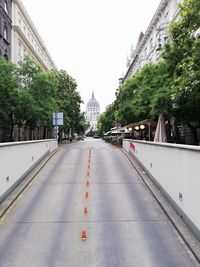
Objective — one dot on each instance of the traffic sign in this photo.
(57, 118)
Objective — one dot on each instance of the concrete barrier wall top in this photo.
(176, 168)
(17, 158)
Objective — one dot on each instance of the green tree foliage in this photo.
(145, 95)
(68, 100)
(9, 87)
(29, 96)
(186, 47)
(82, 124)
(37, 95)
(106, 120)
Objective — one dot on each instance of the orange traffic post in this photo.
(87, 183)
(85, 211)
(86, 195)
(83, 235)
(88, 173)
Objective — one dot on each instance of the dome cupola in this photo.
(92, 102)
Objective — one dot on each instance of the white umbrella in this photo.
(160, 134)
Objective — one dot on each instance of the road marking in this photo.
(86, 195)
(85, 211)
(83, 235)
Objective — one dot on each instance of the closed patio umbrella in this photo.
(160, 134)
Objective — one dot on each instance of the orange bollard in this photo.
(87, 183)
(83, 235)
(85, 211)
(86, 195)
(88, 173)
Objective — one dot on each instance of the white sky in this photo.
(91, 39)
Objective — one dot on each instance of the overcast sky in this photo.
(91, 39)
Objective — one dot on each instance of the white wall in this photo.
(177, 170)
(17, 158)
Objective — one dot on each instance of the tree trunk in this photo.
(168, 130)
(19, 132)
(12, 127)
(177, 138)
(44, 132)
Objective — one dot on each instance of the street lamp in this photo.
(130, 129)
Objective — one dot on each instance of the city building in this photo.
(92, 113)
(5, 28)
(150, 43)
(26, 40)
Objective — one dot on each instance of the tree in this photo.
(146, 95)
(9, 86)
(82, 124)
(184, 47)
(68, 101)
(106, 120)
(37, 97)
(43, 89)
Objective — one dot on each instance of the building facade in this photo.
(92, 113)
(26, 40)
(151, 42)
(5, 28)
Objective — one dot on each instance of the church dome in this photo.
(92, 102)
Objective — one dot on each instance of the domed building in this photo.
(92, 112)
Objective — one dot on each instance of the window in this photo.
(25, 52)
(151, 43)
(20, 49)
(24, 30)
(166, 14)
(6, 6)
(145, 52)
(165, 38)
(5, 33)
(6, 57)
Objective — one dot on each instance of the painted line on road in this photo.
(85, 209)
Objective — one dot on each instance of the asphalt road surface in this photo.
(124, 224)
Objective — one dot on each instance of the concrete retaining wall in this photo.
(176, 170)
(19, 158)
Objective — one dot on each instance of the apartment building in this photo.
(151, 42)
(26, 40)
